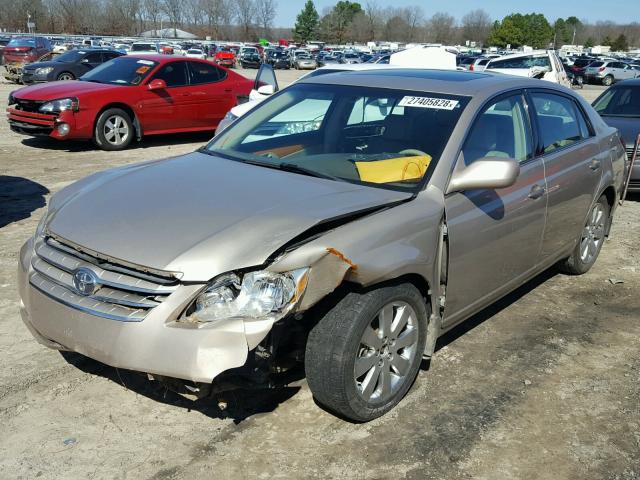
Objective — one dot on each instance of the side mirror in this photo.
(266, 90)
(157, 84)
(485, 173)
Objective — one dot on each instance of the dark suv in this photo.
(68, 66)
(21, 51)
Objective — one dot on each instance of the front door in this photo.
(495, 234)
(170, 108)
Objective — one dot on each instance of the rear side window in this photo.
(559, 120)
(501, 131)
(205, 73)
(596, 64)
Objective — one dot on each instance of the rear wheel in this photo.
(66, 76)
(591, 240)
(607, 81)
(114, 130)
(364, 354)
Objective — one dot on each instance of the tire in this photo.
(607, 81)
(66, 76)
(110, 119)
(592, 238)
(350, 336)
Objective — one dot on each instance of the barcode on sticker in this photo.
(427, 102)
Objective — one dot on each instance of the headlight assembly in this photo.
(257, 295)
(44, 70)
(57, 106)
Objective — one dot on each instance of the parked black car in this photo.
(251, 60)
(68, 66)
(279, 59)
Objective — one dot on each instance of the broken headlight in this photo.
(257, 295)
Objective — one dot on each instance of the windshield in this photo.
(71, 56)
(195, 51)
(143, 47)
(378, 137)
(22, 42)
(619, 101)
(121, 71)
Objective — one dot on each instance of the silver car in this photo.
(609, 72)
(345, 223)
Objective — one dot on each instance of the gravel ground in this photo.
(545, 384)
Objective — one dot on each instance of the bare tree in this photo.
(266, 12)
(152, 13)
(414, 16)
(476, 26)
(245, 12)
(441, 28)
(173, 10)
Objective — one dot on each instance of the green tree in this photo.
(335, 24)
(620, 44)
(538, 32)
(517, 30)
(562, 32)
(606, 41)
(589, 43)
(306, 23)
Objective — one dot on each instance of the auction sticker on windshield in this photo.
(427, 102)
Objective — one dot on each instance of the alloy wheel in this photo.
(386, 352)
(65, 76)
(593, 234)
(116, 130)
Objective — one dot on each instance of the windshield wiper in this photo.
(293, 168)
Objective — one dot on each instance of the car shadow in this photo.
(19, 197)
(492, 310)
(239, 404)
(72, 146)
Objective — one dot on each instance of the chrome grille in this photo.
(122, 294)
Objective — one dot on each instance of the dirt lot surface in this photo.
(545, 385)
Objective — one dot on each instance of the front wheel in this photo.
(364, 354)
(591, 240)
(66, 76)
(114, 130)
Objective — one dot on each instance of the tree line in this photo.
(345, 22)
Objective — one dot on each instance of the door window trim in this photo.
(161, 66)
(222, 79)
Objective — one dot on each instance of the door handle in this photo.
(536, 192)
(595, 165)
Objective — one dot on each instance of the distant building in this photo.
(169, 33)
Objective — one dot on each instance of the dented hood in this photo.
(201, 215)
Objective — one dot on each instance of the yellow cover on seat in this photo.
(393, 169)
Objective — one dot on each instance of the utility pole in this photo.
(573, 40)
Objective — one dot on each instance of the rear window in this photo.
(596, 64)
(522, 62)
(619, 101)
(142, 47)
(22, 42)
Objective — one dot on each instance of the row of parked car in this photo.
(340, 227)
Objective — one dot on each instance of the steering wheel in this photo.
(414, 152)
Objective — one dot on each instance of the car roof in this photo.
(453, 82)
(161, 58)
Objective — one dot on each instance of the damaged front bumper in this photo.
(157, 345)
(13, 72)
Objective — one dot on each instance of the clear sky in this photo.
(621, 11)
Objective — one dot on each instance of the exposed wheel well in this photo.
(126, 108)
(610, 195)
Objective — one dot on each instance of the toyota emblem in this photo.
(85, 281)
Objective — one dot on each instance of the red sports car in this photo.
(129, 97)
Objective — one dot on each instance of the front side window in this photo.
(502, 130)
(378, 137)
(557, 118)
(522, 62)
(174, 74)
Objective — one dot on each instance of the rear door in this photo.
(212, 93)
(573, 164)
(495, 235)
(170, 108)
